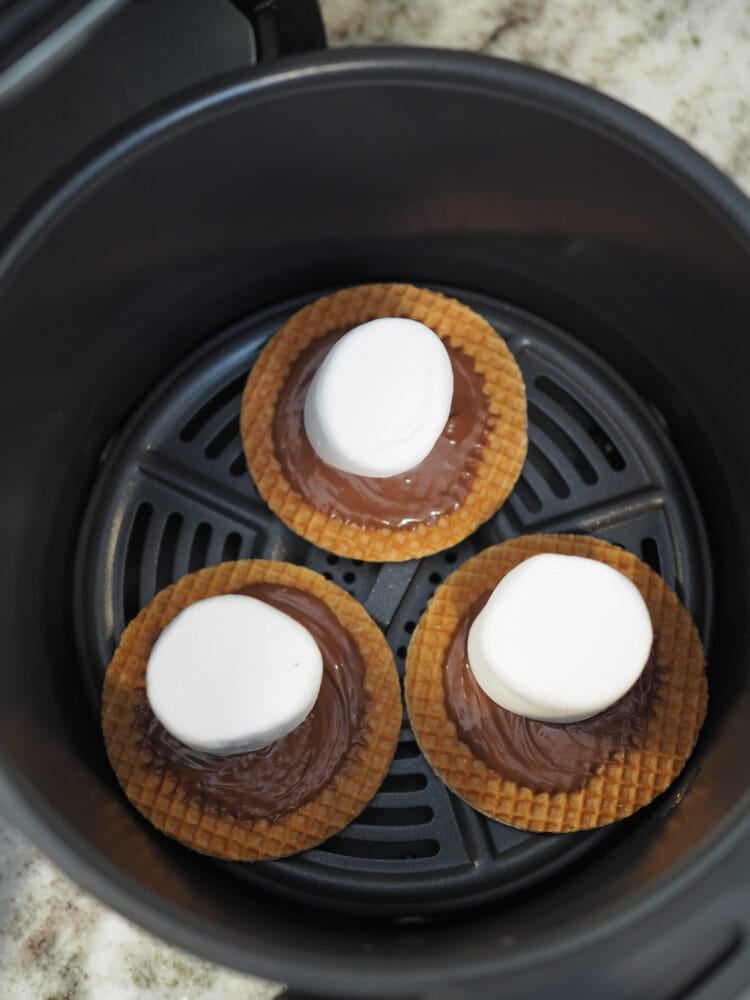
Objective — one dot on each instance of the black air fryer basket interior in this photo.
(603, 251)
(174, 495)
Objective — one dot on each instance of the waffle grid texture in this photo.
(631, 780)
(158, 795)
(463, 329)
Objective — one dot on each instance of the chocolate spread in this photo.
(542, 756)
(278, 779)
(436, 486)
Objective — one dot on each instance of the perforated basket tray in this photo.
(174, 495)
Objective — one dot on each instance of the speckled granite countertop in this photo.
(685, 64)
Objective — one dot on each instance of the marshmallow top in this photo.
(560, 639)
(231, 674)
(380, 399)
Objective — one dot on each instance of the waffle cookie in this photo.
(160, 797)
(628, 782)
(494, 472)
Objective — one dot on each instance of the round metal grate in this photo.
(174, 495)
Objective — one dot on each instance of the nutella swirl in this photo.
(543, 756)
(276, 780)
(436, 486)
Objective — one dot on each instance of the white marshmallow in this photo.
(560, 639)
(231, 673)
(380, 399)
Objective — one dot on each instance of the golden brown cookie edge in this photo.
(157, 795)
(502, 457)
(621, 787)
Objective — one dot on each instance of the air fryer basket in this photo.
(174, 495)
(615, 262)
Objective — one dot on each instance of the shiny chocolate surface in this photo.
(542, 756)
(277, 779)
(436, 486)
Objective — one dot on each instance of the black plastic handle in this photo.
(34, 37)
(284, 27)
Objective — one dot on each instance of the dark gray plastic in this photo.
(34, 37)
(349, 167)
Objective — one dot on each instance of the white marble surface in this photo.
(686, 64)
(57, 943)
